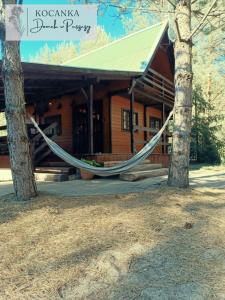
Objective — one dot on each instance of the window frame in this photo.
(154, 119)
(135, 119)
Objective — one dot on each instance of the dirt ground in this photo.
(160, 244)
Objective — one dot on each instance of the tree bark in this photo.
(179, 166)
(18, 143)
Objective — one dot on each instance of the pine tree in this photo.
(18, 143)
(205, 145)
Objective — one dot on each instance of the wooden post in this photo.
(132, 121)
(164, 134)
(145, 123)
(90, 121)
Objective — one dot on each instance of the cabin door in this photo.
(80, 128)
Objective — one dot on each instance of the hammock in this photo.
(101, 171)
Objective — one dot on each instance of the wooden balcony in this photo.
(156, 87)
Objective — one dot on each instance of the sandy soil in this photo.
(163, 244)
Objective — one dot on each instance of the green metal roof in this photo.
(130, 53)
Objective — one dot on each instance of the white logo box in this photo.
(51, 22)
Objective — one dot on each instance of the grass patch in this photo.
(164, 242)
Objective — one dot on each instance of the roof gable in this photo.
(131, 53)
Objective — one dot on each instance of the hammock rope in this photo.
(105, 171)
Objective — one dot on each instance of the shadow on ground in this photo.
(160, 244)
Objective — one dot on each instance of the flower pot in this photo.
(86, 175)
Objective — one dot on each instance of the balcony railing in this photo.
(159, 86)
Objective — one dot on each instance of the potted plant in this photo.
(85, 174)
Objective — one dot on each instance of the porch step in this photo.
(54, 164)
(146, 167)
(59, 171)
(138, 175)
(56, 170)
(6, 175)
(114, 163)
(51, 177)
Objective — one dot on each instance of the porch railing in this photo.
(164, 143)
(39, 148)
(160, 86)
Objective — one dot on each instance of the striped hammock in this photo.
(103, 171)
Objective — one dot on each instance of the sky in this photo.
(111, 24)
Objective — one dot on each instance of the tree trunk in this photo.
(19, 150)
(179, 166)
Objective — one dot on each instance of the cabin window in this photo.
(135, 119)
(155, 123)
(126, 119)
(55, 119)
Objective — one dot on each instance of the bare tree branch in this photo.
(203, 20)
(217, 95)
(213, 14)
(146, 10)
(171, 3)
(155, 4)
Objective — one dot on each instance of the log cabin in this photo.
(103, 105)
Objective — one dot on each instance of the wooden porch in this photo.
(151, 90)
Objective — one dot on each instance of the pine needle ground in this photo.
(162, 244)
